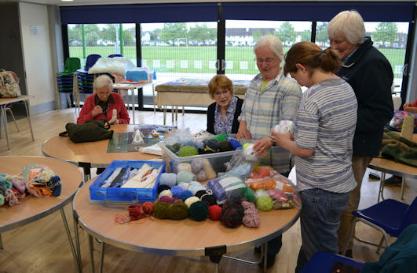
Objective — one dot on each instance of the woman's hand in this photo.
(243, 132)
(262, 145)
(97, 110)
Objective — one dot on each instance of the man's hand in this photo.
(262, 145)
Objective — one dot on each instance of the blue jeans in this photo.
(320, 220)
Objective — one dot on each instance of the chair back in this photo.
(410, 216)
(115, 55)
(72, 64)
(91, 60)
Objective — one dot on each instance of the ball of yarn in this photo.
(165, 193)
(57, 190)
(147, 208)
(184, 185)
(198, 211)
(201, 176)
(251, 220)
(184, 176)
(234, 143)
(195, 186)
(264, 203)
(167, 199)
(260, 193)
(161, 210)
(180, 193)
(215, 212)
(220, 137)
(232, 214)
(169, 179)
(225, 146)
(162, 188)
(178, 210)
(208, 168)
(211, 146)
(191, 200)
(184, 166)
(249, 195)
(197, 165)
(136, 212)
(209, 199)
(249, 152)
(187, 151)
(1, 200)
(200, 193)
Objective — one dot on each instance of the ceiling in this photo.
(103, 2)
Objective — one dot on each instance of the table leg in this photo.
(101, 265)
(91, 251)
(1, 242)
(77, 241)
(28, 117)
(74, 254)
(381, 187)
(402, 187)
(4, 124)
(164, 109)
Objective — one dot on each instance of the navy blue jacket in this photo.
(370, 75)
(211, 112)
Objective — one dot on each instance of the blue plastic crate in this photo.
(124, 195)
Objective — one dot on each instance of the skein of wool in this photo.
(167, 199)
(165, 193)
(180, 193)
(161, 188)
(168, 179)
(215, 212)
(208, 169)
(136, 212)
(147, 208)
(264, 203)
(178, 210)
(161, 210)
(191, 200)
(183, 167)
(251, 218)
(232, 214)
(198, 211)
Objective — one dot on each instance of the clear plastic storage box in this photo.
(217, 160)
(124, 195)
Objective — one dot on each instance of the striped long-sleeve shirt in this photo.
(326, 122)
(263, 110)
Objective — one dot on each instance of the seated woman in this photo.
(222, 115)
(103, 104)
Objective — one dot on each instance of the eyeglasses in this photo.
(266, 60)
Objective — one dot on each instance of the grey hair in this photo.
(348, 23)
(273, 42)
(103, 81)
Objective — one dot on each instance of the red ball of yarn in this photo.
(136, 212)
(147, 208)
(215, 211)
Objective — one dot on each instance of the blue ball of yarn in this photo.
(234, 143)
(169, 179)
(179, 193)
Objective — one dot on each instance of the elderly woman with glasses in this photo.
(222, 115)
(370, 75)
(103, 104)
(270, 98)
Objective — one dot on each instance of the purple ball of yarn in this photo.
(232, 214)
(167, 199)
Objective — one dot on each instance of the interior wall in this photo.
(40, 77)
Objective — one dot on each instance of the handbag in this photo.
(9, 84)
(90, 131)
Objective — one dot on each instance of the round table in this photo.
(31, 208)
(395, 168)
(170, 237)
(90, 154)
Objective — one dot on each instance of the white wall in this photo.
(40, 77)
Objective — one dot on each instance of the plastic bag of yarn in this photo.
(233, 186)
(397, 120)
(282, 200)
(217, 190)
(284, 126)
(180, 136)
(41, 180)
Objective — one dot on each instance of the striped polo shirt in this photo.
(326, 122)
(278, 101)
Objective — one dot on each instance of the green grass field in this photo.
(199, 59)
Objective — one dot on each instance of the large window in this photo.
(102, 39)
(241, 36)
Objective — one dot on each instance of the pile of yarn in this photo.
(35, 180)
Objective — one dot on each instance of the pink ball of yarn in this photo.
(251, 220)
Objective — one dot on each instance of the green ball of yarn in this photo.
(225, 146)
(178, 210)
(1, 200)
(161, 210)
(185, 177)
(249, 195)
(220, 137)
(187, 151)
(264, 203)
(198, 211)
